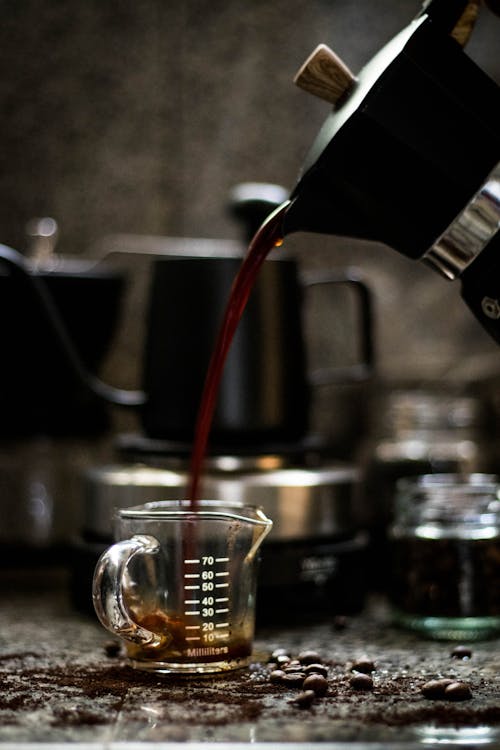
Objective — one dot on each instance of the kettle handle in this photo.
(22, 271)
(365, 367)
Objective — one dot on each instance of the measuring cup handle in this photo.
(365, 367)
(108, 593)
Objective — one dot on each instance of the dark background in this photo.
(136, 119)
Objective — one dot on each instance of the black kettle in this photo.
(62, 313)
(410, 155)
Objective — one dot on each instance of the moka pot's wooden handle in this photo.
(325, 75)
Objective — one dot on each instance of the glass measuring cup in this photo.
(179, 585)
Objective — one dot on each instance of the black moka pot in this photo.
(410, 155)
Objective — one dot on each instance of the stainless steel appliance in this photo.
(312, 563)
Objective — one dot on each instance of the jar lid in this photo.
(410, 410)
(470, 501)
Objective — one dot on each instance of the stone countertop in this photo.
(59, 685)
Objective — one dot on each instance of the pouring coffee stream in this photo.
(266, 239)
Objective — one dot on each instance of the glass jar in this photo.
(420, 432)
(413, 433)
(445, 543)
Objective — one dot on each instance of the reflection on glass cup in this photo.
(179, 585)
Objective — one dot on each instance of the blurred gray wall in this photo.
(122, 117)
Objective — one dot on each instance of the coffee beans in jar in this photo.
(445, 543)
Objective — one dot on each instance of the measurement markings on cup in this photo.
(204, 577)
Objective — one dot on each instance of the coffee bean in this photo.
(293, 668)
(361, 681)
(309, 657)
(434, 689)
(305, 699)
(293, 679)
(458, 691)
(317, 669)
(112, 648)
(282, 660)
(461, 652)
(295, 664)
(276, 676)
(363, 665)
(317, 683)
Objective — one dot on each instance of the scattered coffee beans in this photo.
(435, 688)
(461, 652)
(317, 683)
(446, 689)
(361, 681)
(307, 671)
(305, 699)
